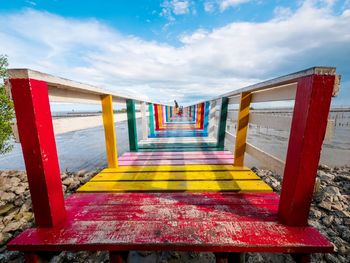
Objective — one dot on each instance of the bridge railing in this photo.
(60, 90)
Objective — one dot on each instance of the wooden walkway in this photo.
(174, 171)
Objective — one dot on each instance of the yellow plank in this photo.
(188, 186)
(110, 135)
(168, 168)
(177, 176)
(242, 128)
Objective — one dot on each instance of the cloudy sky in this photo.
(182, 49)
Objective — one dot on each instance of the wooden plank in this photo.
(279, 93)
(109, 128)
(283, 80)
(175, 162)
(242, 128)
(132, 129)
(172, 235)
(172, 199)
(173, 221)
(174, 153)
(309, 122)
(178, 157)
(189, 186)
(172, 168)
(222, 123)
(65, 90)
(35, 129)
(176, 176)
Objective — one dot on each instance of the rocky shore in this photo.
(330, 213)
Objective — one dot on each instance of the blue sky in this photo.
(183, 49)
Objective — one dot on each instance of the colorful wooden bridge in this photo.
(177, 188)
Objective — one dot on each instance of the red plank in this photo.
(39, 150)
(174, 162)
(308, 128)
(173, 225)
(174, 235)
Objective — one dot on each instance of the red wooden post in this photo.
(308, 128)
(32, 257)
(118, 256)
(36, 134)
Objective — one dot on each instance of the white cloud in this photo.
(208, 63)
(209, 6)
(224, 4)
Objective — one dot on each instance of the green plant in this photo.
(6, 110)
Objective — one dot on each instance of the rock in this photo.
(326, 205)
(68, 181)
(15, 181)
(27, 206)
(5, 208)
(327, 220)
(74, 185)
(8, 197)
(325, 176)
(10, 215)
(20, 190)
(331, 258)
(4, 237)
(13, 226)
(332, 190)
(345, 234)
(315, 213)
(24, 216)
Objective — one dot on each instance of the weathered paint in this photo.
(35, 129)
(308, 128)
(242, 128)
(109, 128)
(132, 129)
(183, 222)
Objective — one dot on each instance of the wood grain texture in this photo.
(104, 222)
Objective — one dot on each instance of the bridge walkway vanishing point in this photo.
(177, 188)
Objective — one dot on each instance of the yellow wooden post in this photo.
(110, 135)
(242, 128)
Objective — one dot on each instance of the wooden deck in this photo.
(186, 171)
(217, 222)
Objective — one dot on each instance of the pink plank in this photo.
(175, 153)
(175, 162)
(175, 157)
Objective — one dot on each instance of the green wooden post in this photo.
(222, 123)
(132, 129)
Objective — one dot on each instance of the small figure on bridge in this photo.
(176, 107)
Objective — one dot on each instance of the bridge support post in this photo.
(36, 134)
(242, 128)
(144, 121)
(110, 134)
(312, 103)
(151, 119)
(222, 123)
(132, 129)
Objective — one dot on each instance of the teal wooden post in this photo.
(222, 123)
(132, 129)
(151, 120)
